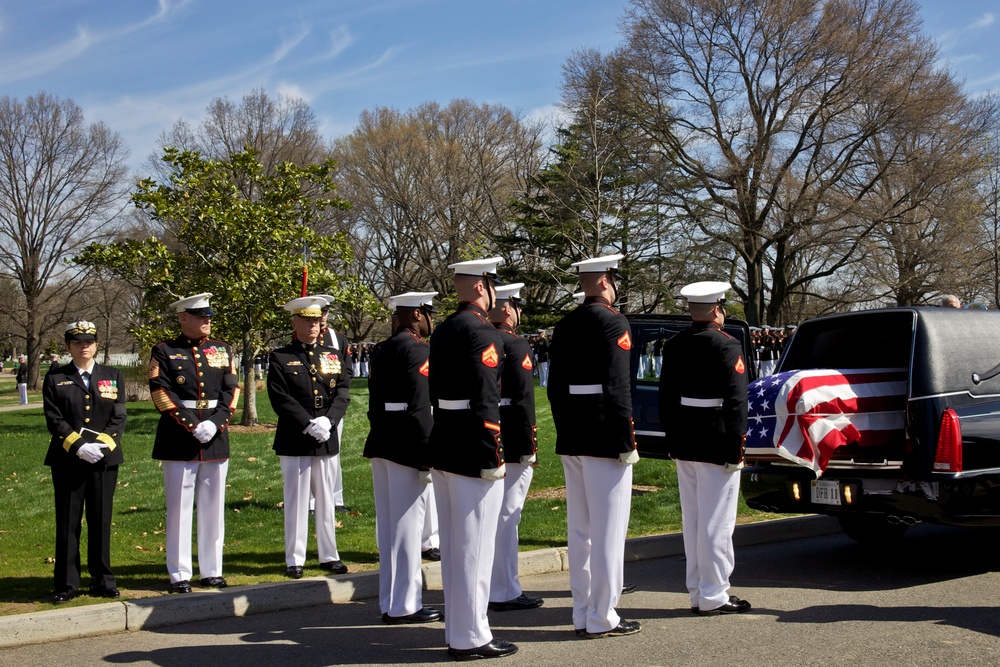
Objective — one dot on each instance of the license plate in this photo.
(825, 492)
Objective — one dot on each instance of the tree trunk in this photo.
(32, 345)
(249, 383)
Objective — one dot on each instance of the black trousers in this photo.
(79, 487)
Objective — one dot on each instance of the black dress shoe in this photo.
(343, 509)
(734, 606)
(104, 592)
(433, 554)
(623, 628)
(294, 571)
(214, 582)
(425, 615)
(180, 586)
(495, 649)
(628, 588)
(64, 596)
(334, 566)
(522, 601)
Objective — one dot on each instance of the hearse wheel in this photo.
(871, 529)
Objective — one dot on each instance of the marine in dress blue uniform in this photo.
(520, 443)
(193, 384)
(309, 389)
(465, 452)
(589, 390)
(399, 411)
(703, 409)
(84, 405)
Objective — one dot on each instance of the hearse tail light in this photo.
(948, 457)
(796, 491)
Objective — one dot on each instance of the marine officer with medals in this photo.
(589, 390)
(703, 408)
(84, 406)
(399, 410)
(193, 383)
(309, 388)
(467, 458)
(520, 444)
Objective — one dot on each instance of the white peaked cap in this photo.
(196, 302)
(307, 306)
(598, 264)
(511, 291)
(328, 297)
(412, 300)
(708, 291)
(477, 267)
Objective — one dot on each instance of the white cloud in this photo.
(293, 90)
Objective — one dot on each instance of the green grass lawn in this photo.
(254, 550)
(8, 391)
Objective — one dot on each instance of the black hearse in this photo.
(944, 466)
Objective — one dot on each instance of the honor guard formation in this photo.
(452, 446)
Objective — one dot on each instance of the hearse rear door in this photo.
(647, 330)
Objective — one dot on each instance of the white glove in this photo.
(90, 452)
(494, 473)
(734, 467)
(316, 430)
(424, 476)
(528, 459)
(205, 431)
(629, 458)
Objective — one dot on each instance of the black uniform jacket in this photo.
(69, 407)
(466, 360)
(517, 397)
(305, 382)
(589, 382)
(197, 372)
(703, 365)
(398, 376)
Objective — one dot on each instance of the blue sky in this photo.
(139, 65)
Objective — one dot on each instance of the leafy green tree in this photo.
(246, 252)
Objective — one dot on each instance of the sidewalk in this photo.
(10, 408)
(237, 601)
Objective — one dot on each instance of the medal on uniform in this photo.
(108, 389)
(329, 364)
(333, 383)
(217, 357)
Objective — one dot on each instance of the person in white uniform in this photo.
(309, 388)
(193, 384)
(399, 411)
(703, 408)
(589, 390)
(467, 458)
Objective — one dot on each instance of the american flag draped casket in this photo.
(804, 416)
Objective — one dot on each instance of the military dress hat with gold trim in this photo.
(81, 330)
(511, 292)
(307, 306)
(707, 291)
(605, 264)
(479, 267)
(413, 300)
(195, 305)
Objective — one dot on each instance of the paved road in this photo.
(821, 601)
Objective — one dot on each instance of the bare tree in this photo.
(769, 107)
(62, 185)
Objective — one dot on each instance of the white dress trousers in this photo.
(598, 503)
(338, 482)
(543, 373)
(186, 484)
(709, 496)
(302, 475)
(504, 584)
(430, 537)
(22, 393)
(468, 510)
(399, 519)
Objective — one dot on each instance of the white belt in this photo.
(586, 389)
(396, 407)
(504, 402)
(453, 405)
(200, 405)
(701, 402)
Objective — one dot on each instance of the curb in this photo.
(238, 601)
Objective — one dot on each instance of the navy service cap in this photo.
(81, 330)
(195, 305)
(707, 291)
